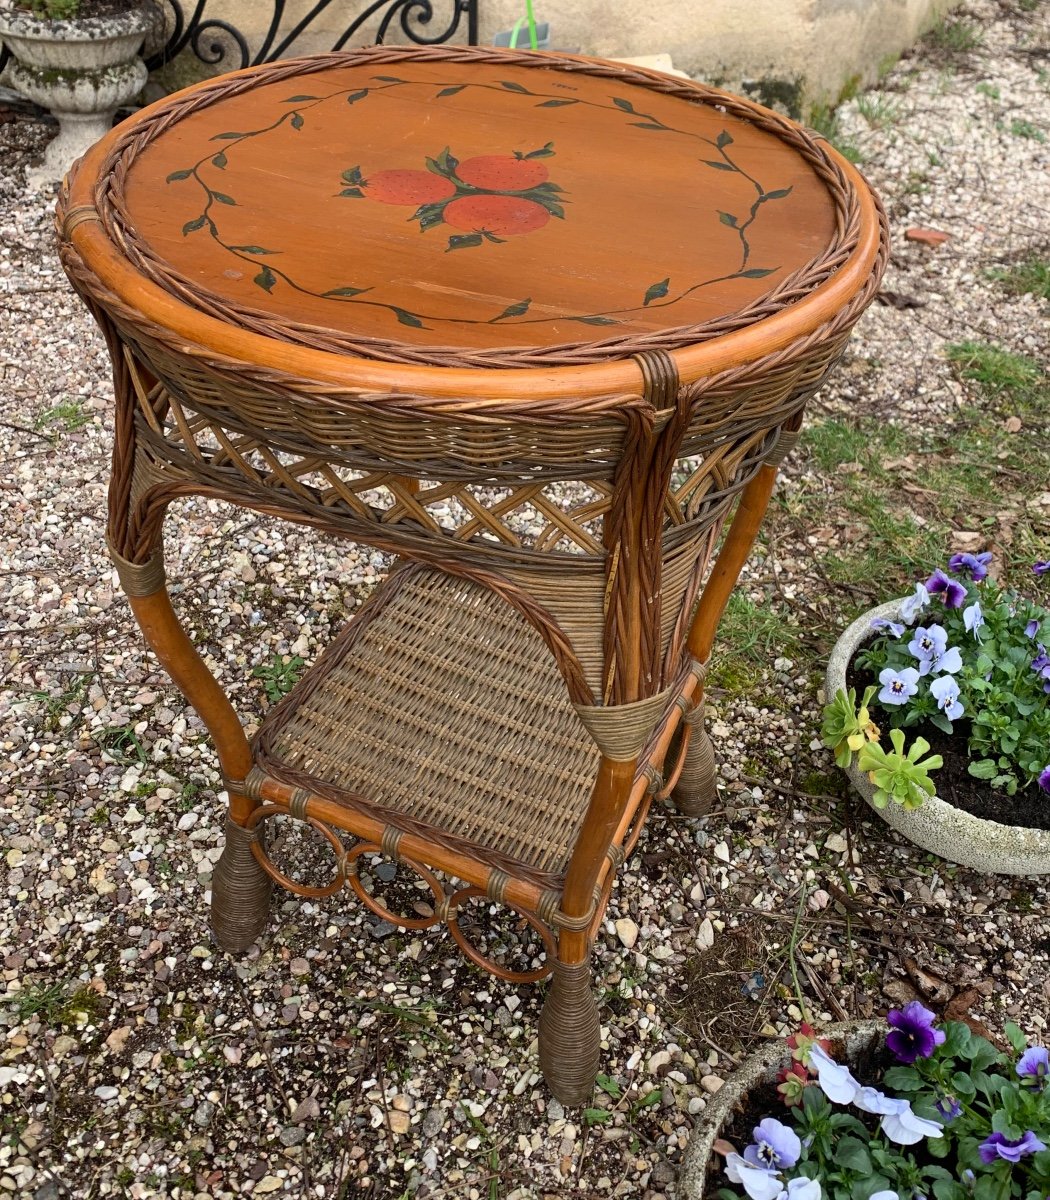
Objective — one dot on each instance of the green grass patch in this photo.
(56, 1004)
(824, 119)
(879, 111)
(750, 636)
(1031, 277)
(988, 89)
(69, 415)
(1023, 128)
(999, 373)
(955, 36)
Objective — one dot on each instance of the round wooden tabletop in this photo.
(469, 208)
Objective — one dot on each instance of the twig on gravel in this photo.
(803, 893)
(785, 790)
(33, 433)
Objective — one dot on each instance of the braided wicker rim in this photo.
(116, 221)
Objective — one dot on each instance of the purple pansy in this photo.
(1011, 1150)
(1041, 568)
(1032, 628)
(776, 1146)
(975, 564)
(1044, 779)
(898, 686)
(949, 1108)
(915, 603)
(945, 690)
(913, 1035)
(1034, 1064)
(882, 625)
(1041, 666)
(973, 619)
(951, 591)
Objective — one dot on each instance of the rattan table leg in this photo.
(240, 887)
(570, 1049)
(697, 788)
(240, 892)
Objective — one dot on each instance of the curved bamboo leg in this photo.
(697, 787)
(240, 888)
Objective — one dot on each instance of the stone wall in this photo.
(790, 54)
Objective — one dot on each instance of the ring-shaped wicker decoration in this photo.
(384, 913)
(482, 960)
(300, 889)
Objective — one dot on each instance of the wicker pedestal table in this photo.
(537, 325)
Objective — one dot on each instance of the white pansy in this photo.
(905, 1128)
(834, 1079)
(757, 1182)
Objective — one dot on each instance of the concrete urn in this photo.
(702, 1170)
(81, 69)
(937, 826)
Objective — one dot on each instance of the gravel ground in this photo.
(341, 1057)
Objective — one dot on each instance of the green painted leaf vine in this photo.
(487, 198)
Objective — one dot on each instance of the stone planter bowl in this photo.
(82, 70)
(937, 826)
(702, 1168)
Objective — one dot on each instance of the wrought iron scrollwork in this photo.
(218, 43)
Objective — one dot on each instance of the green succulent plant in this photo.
(846, 727)
(55, 10)
(899, 775)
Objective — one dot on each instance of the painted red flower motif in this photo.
(489, 197)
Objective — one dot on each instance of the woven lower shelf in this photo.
(439, 710)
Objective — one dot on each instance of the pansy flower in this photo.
(898, 686)
(905, 1127)
(976, 565)
(945, 690)
(1010, 1150)
(758, 1182)
(834, 1080)
(882, 625)
(1032, 628)
(1044, 778)
(776, 1146)
(930, 646)
(915, 603)
(1041, 568)
(948, 1107)
(1041, 666)
(951, 591)
(912, 1034)
(1033, 1066)
(973, 619)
